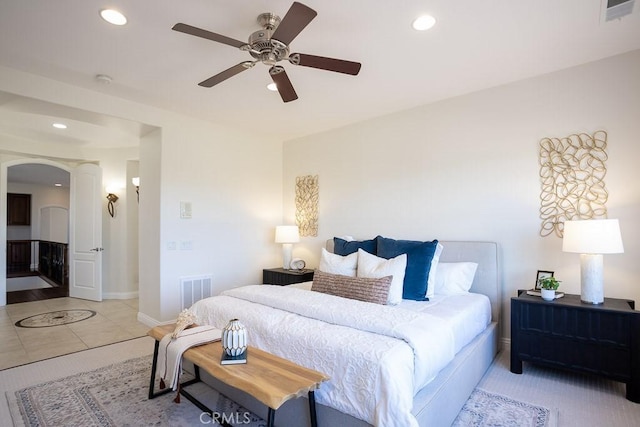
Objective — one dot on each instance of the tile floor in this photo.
(115, 320)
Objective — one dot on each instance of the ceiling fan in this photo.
(270, 46)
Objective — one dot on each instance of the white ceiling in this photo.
(40, 174)
(474, 45)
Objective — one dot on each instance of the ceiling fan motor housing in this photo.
(261, 47)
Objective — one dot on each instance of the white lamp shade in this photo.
(287, 234)
(592, 236)
(136, 181)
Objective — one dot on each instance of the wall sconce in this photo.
(112, 198)
(136, 183)
(287, 235)
(591, 238)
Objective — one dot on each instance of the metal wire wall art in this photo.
(307, 205)
(572, 171)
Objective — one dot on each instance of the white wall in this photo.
(132, 231)
(234, 185)
(467, 169)
(233, 179)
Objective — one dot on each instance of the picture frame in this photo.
(541, 275)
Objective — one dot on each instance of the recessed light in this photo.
(272, 87)
(57, 184)
(59, 126)
(113, 16)
(424, 22)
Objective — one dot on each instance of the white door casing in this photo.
(85, 233)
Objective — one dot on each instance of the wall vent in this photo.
(194, 288)
(616, 9)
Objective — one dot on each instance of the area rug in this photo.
(117, 395)
(484, 409)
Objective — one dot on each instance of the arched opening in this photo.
(35, 234)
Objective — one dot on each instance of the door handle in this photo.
(96, 249)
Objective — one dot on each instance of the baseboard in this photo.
(506, 344)
(151, 322)
(120, 295)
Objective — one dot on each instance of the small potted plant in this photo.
(548, 286)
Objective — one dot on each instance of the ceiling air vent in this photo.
(616, 9)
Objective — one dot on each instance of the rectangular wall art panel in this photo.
(572, 171)
(307, 205)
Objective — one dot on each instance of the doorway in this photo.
(37, 231)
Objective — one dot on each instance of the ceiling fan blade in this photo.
(285, 88)
(199, 32)
(230, 72)
(293, 22)
(322, 63)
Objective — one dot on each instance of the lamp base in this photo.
(287, 249)
(591, 282)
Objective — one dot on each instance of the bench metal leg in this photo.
(152, 381)
(154, 365)
(204, 408)
(312, 409)
(270, 417)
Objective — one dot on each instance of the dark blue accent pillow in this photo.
(345, 247)
(419, 256)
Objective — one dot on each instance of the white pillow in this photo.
(431, 280)
(374, 267)
(454, 278)
(337, 264)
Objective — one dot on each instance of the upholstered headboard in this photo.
(485, 254)
(486, 280)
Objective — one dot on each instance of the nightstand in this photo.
(282, 277)
(565, 333)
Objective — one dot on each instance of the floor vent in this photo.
(194, 289)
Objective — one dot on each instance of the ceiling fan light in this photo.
(424, 22)
(112, 16)
(272, 87)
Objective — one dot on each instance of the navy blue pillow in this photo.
(419, 256)
(345, 247)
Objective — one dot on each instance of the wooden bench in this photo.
(270, 379)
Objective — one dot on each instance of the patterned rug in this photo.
(117, 395)
(484, 409)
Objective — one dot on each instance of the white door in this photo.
(85, 233)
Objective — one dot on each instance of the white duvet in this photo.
(377, 356)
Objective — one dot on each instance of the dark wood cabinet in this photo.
(18, 256)
(601, 339)
(18, 209)
(282, 277)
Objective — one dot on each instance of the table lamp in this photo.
(591, 238)
(287, 235)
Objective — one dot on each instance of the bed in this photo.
(375, 385)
